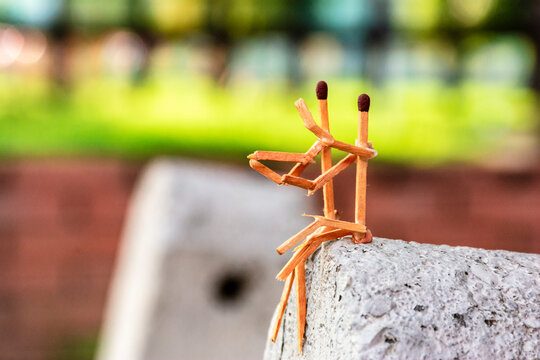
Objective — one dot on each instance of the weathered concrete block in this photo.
(195, 276)
(397, 300)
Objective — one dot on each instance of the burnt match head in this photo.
(363, 102)
(322, 90)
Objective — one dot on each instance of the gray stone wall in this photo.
(393, 299)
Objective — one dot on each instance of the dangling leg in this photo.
(299, 236)
(300, 274)
(281, 307)
(307, 248)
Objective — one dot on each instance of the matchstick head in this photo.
(363, 102)
(322, 90)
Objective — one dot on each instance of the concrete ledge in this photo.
(195, 278)
(393, 299)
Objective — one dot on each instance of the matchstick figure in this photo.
(327, 227)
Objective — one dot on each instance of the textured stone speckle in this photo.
(393, 299)
(532, 322)
(378, 306)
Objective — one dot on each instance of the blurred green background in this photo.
(450, 80)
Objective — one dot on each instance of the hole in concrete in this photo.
(390, 339)
(231, 288)
(460, 319)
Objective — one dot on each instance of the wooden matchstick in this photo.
(319, 221)
(361, 168)
(299, 236)
(328, 139)
(297, 181)
(311, 153)
(310, 124)
(326, 234)
(338, 224)
(307, 248)
(280, 156)
(300, 274)
(281, 307)
(326, 157)
(293, 262)
(271, 174)
(362, 151)
(325, 177)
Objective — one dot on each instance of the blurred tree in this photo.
(139, 22)
(59, 32)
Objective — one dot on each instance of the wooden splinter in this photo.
(319, 221)
(297, 181)
(338, 224)
(300, 274)
(362, 151)
(327, 176)
(281, 307)
(310, 124)
(326, 138)
(283, 248)
(280, 156)
(311, 153)
(271, 174)
(361, 170)
(307, 248)
(322, 236)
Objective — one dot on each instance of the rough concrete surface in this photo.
(393, 299)
(195, 275)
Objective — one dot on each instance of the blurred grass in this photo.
(76, 348)
(421, 123)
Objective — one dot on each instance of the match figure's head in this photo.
(321, 90)
(363, 102)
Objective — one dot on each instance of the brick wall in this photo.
(60, 223)
(59, 229)
(454, 206)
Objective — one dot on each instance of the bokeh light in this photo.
(470, 13)
(123, 53)
(11, 44)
